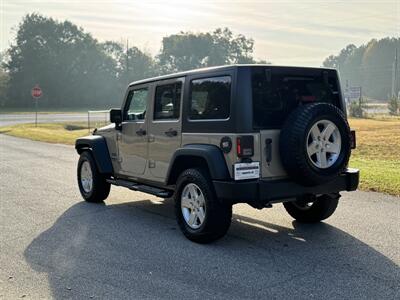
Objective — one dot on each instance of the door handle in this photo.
(141, 132)
(171, 132)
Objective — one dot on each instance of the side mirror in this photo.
(116, 116)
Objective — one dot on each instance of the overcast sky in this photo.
(285, 32)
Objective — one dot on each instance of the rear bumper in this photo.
(260, 193)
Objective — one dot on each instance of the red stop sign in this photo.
(36, 91)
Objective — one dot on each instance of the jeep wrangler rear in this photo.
(214, 137)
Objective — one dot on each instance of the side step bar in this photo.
(162, 193)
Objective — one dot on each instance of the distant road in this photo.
(12, 119)
(53, 245)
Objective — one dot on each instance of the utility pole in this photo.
(396, 73)
(127, 61)
(393, 76)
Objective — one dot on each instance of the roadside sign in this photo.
(36, 92)
(354, 92)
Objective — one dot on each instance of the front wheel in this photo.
(200, 215)
(92, 184)
(309, 209)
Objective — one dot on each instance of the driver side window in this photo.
(135, 109)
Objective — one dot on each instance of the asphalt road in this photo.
(12, 119)
(53, 245)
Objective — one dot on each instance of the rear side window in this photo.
(276, 95)
(210, 98)
(167, 101)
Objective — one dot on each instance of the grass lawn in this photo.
(51, 132)
(377, 154)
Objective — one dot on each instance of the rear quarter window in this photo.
(210, 98)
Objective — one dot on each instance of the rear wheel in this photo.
(200, 215)
(92, 184)
(312, 209)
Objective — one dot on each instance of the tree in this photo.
(68, 64)
(132, 64)
(336, 61)
(188, 50)
(184, 51)
(394, 106)
(229, 49)
(75, 70)
(140, 65)
(369, 65)
(4, 81)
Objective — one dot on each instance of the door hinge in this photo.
(152, 164)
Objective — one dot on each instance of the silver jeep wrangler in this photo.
(210, 138)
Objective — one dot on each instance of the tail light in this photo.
(308, 98)
(353, 143)
(245, 146)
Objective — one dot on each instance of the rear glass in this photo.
(276, 95)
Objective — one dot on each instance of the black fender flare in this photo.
(98, 146)
(211, 154)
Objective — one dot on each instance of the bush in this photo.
(357, 108)
(394, 106)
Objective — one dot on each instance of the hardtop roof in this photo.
(217, 68)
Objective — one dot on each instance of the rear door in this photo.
(276, 92)
(165, 126)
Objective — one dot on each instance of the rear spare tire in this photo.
(315, 143)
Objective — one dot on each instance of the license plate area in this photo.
(243, 171)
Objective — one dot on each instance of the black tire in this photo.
(217, 215)
(294, 139)
(100, 187)
(320, 209)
